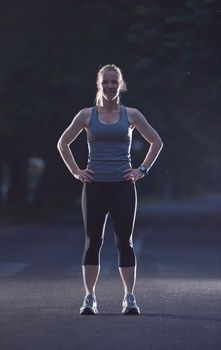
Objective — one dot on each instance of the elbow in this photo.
(159, 143)
(60, 145)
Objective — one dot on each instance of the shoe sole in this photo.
(88, 311)
(131, 311)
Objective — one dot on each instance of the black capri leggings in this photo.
(98, 200)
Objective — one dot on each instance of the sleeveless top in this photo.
(109, 147)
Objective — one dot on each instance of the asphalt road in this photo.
(178, 288)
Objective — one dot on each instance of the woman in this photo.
(109, 180)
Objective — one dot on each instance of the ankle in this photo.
(128, 293)
(90, 293)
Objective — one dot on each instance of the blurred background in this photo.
(170, 54)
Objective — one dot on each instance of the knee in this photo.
(124, 244)
(93, 243)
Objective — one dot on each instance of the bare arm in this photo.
(151, 136)
(69, 135)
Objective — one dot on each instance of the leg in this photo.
(90, 277)
(128, 276)
(94, 210)
(123, 211)
(123, 214)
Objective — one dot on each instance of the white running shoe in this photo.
(130, 306)
(89, 306)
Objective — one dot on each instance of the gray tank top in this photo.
(109, 147)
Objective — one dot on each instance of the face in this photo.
(110, 86)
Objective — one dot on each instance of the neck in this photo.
(109, 105)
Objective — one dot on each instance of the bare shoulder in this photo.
(83, 116)
(133, 115)
(139, 121)
(132, 111)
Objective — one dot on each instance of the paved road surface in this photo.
(178, 289)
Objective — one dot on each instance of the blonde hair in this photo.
(122, 84)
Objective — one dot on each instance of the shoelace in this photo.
(90, 300)
(131, 299)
